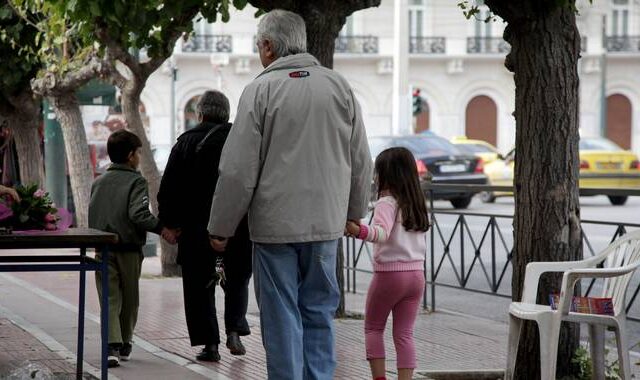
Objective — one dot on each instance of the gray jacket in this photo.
(296, 159)
(120, 204)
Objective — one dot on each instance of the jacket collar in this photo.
(204, 127)
(294, 61)
(122, 167)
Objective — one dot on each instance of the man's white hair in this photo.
(285, 30)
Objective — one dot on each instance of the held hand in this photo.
(169, 235)
(218, 244)
(352, 228)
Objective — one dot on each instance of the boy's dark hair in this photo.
(120, 144)
(397, 173)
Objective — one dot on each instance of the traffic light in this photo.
(417, 102)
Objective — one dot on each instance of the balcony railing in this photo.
(427, 45)
(629, 44)
(221, 43)
(496, 45)
(487, 45)
(357, 44)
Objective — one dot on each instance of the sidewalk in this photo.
(46, 302)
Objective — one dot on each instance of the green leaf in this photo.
(95, 8)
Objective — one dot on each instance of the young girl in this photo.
(399, 229)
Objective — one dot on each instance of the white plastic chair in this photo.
(620, 260)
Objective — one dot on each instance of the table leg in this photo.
(81, 309)
(104, 312)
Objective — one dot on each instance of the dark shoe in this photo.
(234, 344)
(209, 354)
(125, 352)
(113, 358)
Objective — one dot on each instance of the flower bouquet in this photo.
(34, 211)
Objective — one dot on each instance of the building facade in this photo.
(457, 64)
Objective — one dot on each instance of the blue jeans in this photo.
(297, 293)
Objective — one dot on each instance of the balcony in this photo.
(623, 44)
(427, 45)
(209, 44)
(357, 44)
(487, 45)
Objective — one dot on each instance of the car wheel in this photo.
(617, 200)
(460, 203)
(487, 197)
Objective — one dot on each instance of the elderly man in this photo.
(184, 199)
(297, 160)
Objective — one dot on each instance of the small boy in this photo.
(120, 204)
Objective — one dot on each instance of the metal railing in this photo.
(629, 44)
(497, 45)
(427, 45)
(205, 43)
(487, 45)
(479, 262)
(357, 44)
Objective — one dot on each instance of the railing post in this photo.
(433, 253)
(462, 271)
(493, 254)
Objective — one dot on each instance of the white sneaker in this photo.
(113, 359)
(125, 352)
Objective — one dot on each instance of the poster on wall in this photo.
(100, 122)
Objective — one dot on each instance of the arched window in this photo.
(619, 111)
(482, 119)
(190, 116)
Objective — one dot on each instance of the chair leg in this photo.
(549, 331)
(515, 329)
(623, 348)
(596, 337)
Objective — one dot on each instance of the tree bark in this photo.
(24, 117)
(321, 35)
(545, 48)
(75, 141)
(27, 137)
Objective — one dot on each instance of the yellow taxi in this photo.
(479, 148)
(603, 164)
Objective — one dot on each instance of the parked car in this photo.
(480, 148)
(603, 164)
(438, 161)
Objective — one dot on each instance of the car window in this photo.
(430, 146)
(475, 148)
(598, 144)
(419, 146)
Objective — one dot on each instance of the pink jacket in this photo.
(396, 249)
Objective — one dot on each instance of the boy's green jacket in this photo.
(120, 204)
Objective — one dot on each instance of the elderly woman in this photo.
(184, 199)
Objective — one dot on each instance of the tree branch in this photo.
(116, 50)
(52, 85)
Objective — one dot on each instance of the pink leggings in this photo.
(400, 293)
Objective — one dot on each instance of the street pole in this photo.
(174, 77)
(401, 95)
(603, 80)
(54, 157)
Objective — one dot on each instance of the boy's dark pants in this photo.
(124, 274)
(197, 260)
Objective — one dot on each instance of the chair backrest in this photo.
(624, 251)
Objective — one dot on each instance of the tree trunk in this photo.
(321, 35)
(27, 137)
(75, 141)
(544, 53)
(131, 109)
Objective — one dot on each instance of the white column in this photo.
(401, 118)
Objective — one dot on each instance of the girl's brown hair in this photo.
(397, 173)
